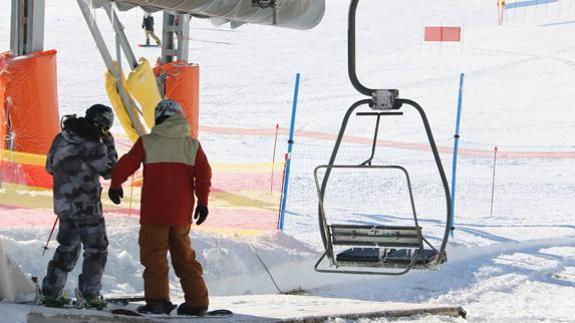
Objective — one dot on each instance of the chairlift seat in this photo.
(394, 246)
(386, 257)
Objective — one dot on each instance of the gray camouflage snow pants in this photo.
(72, 234)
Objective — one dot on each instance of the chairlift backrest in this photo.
(381, 236)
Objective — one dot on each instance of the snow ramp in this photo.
(269, 308)
(13, 282)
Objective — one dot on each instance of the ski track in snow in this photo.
(508, 267)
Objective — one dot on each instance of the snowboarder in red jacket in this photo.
(175, 168)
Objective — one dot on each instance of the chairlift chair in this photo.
(377, 249)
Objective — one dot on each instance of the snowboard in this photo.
(215, 314)
(124, 301)
(149, 45)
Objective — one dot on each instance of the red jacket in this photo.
(175, 167)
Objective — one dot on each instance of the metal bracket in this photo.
(385, 99)
(264, 4)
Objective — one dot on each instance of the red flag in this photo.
(442, 34)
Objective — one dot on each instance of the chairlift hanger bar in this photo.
(382, 99)
(396, 103)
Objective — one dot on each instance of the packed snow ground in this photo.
(518, 92)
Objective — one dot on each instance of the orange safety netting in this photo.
(182, 85)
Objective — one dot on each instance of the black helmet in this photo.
(101, 116)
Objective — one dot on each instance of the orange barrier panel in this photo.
(24, 169)
(442, 34)
(31, 100)
(183, 86)
(28, 175)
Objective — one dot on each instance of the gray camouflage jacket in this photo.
(76, 163)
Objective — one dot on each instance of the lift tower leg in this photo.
(175, 37)
(27, 29)
(26, 35)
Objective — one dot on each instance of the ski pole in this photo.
(50, 236)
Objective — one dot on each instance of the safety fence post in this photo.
(455, 150)
(493, 180)
(288, 156)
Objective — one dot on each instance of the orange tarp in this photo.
(30, 108)
(31, 100)
(183, 86)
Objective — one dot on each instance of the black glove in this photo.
(201, 214)
(116, 195)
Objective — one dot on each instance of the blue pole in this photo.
(288, 159)
(455, 150)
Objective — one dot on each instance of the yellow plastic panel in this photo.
(142, 86)
(120, 109)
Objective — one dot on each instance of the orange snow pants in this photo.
(155, 241)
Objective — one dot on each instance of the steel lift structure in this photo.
(27, 29)
(377, 249)
(373, 249)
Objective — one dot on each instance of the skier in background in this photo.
(175, 168)
(82, 152)
(148, 26)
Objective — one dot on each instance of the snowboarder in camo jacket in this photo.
(82, 152)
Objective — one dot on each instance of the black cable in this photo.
(266, 268)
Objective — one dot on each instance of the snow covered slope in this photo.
(512, 266)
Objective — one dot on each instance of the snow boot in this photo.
(94, 302)
(59, 301)
(164, 307)
(185, 309)
(97, 303)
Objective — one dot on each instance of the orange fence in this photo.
(244, 199)
(324, 136)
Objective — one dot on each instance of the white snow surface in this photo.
(518, 92)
